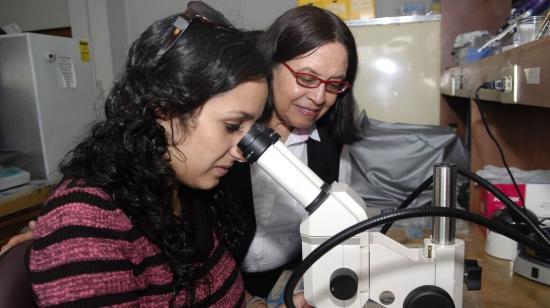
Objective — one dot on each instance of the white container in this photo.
(499, 246)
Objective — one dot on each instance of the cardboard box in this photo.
(346, 9)
(537, 198)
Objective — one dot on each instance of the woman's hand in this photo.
(20, 238)
(299, 301)
(254, 301)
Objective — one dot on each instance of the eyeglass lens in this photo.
(333, 86)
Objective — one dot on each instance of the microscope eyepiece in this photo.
(256, 141)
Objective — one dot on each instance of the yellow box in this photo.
(346, 9)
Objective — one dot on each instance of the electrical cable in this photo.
(497, 85)
(410, 199)
(512, 207)
(399, 215)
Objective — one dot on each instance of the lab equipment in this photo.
(533, 265)
(354, 265)
(12, 177)
(524, 9)
(47, 98)
(370, 266)
(498, 245)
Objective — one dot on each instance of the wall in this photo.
(249, 14)
(32, 15)
(113, 24)
(399, 69)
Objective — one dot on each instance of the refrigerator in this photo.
(47, 99)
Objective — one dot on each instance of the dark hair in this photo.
(126, 152)
(301, 30)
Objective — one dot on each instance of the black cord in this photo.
(399, 215)
(493, 86)
(410, 199)
(516, 212)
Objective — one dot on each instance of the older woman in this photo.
(314, 61)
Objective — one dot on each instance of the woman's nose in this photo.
(317, 95)
(236, 153)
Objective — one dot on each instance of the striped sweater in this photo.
(87, 253)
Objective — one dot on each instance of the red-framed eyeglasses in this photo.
(311, 81)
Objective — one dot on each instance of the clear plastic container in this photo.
(528, 28)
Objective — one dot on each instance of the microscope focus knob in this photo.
(343, 283)
(428, 296)
(472, 274)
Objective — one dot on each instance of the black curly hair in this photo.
(304, 29)
(125, 152)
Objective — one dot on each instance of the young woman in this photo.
(314, 61)
(138, 219)
(313, 58)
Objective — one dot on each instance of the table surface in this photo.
(500, 287)
(24, 197)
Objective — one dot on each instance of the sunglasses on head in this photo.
(197, 11)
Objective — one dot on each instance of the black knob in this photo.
(343, 283)
(472, 274)
(428, 297)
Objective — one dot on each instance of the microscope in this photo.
(369, 266)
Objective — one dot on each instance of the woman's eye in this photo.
(307, 79)
(233, 127)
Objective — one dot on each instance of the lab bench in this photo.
(19, 205)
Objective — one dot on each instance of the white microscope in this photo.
(370, 266)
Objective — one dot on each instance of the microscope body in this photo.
(370, 265)
(386, 271)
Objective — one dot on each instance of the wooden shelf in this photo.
(520, 124)
(527, 66)
(24, 197)
(19, 205)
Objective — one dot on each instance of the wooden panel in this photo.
(456, 114)
(532, 57)
(522, 132)
(26, 197)
(460, 16)
(12, 224)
